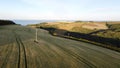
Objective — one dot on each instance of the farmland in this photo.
(81, 27)
(105, 34)
(18, 50)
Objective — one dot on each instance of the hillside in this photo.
(112, 32)
(82, 27)
(102, 29)
(18, 50)
(6, 22)
(105, 34)
(86, 25)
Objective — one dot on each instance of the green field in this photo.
(18, 50)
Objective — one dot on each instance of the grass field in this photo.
(81, 27)
(18, 50)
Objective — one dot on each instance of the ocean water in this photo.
(26, 22)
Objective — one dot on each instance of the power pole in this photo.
(36, 35)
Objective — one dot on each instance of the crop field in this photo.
(18, 50)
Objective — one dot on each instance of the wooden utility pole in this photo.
(36, 35)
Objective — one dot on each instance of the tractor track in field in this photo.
(20, 51)
(7, 56)
(77, 57)
(20, 48)
(74, 56)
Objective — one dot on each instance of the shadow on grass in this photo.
(110, 43)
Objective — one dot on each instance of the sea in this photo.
(26, 22)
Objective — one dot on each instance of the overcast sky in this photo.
(60, 9)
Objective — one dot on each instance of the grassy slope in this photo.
(18, 50)
(113, 32)
(81, 27)
(110, 30)
(6, 22)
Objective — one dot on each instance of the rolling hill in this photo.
(82, 27)
(105, 34)
(6, 22)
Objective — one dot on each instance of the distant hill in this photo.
(86, 25)
(102, 29)
(6, 22)
(82, 27)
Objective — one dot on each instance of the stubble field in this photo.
(18, 50)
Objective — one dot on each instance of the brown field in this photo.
(69, 26)
(18, 50)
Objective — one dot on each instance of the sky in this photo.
(108, 10)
